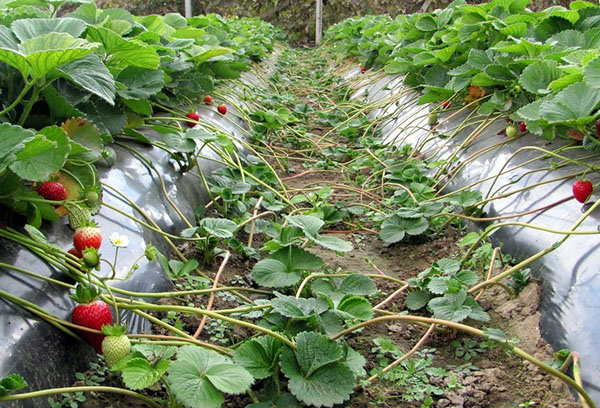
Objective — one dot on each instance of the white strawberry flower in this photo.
(119, 241)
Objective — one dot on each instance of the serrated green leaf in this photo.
(565, 81)
(123, 51)
(284, 267)
(258, 356)
(356, 362)
(11, 383)
(552, 25)
(153, 352)
(141, 83)
(139, 106)
(208, 53)
(537, 76)
(219, 227)
(139, 374)
(417, 299)
(272, 273)
(28, 28)
(518, 29)
(438, 285)
(395, 228)
(289, 306)
(189, 377)
(426, 23)
(179, 142)
(572, 105)
(357, 307)
(14, 138)
(229, 378)
(92, 75)
(43, 155)
(450, 307)
(591, 73)
(358, 284)
(309, 224)
(316, 376)
(333, 243)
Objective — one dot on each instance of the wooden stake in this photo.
(319, 23)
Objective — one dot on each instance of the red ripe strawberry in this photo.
(78, 255)
(88, 235)
(363, 70)
(222, 109)
(193, 116)
(75, 253)
(522, 127)
(582, 190)
(445, 104)
(52, 190)
(208, 100)
(91, 313)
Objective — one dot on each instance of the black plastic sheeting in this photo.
(570, 275)
(43, 355)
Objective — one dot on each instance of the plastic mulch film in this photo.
(477, 157)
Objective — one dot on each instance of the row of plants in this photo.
(73, 85)
(302, 314)
(539, 68)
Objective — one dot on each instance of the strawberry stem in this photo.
(71, 390)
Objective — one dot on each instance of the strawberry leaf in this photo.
(199, 376)
(139, 374)
(316, 374)
(258, 356)
(11, 383)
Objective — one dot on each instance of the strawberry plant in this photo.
(211, 230)
(443, 289)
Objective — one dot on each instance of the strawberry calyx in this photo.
(114, 330)
(85, 294)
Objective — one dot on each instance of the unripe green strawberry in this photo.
(78, 215)
(150, 252)
(91, 257)
(432, 119)
(512, 131)
(116, 344)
